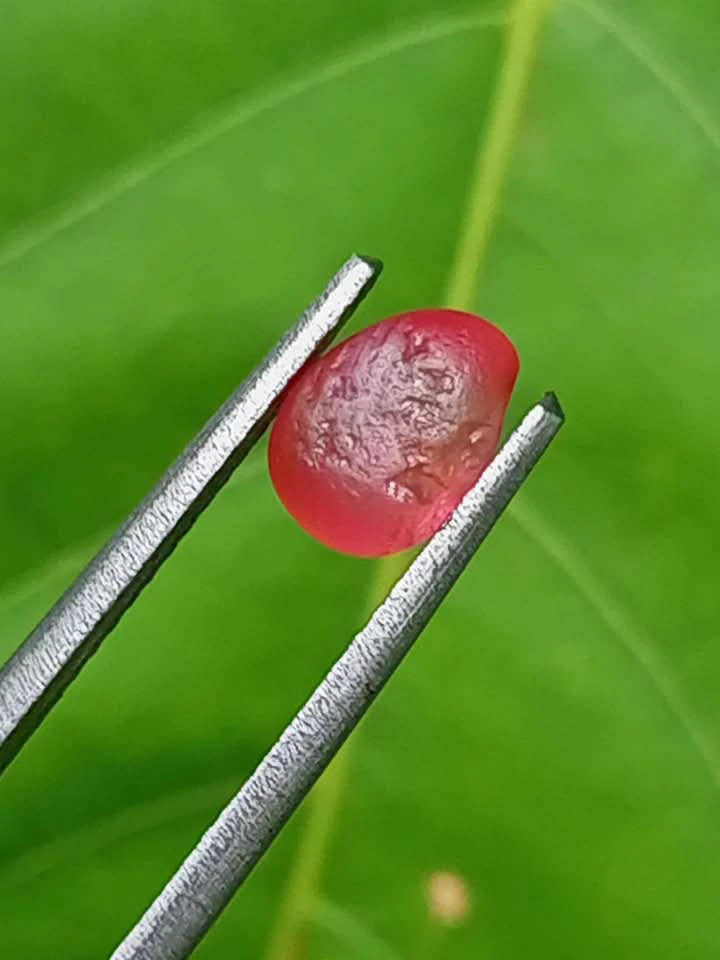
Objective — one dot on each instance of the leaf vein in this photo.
(228, 118)
(598, 598)
(657, 68)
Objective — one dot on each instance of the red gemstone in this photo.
(377, 441)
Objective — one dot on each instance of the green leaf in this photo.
(177, 180)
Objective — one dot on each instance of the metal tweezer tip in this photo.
(52, 656)
(375, 265)
(552, 405)
(197, 894)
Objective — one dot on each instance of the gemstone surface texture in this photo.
(377, 441)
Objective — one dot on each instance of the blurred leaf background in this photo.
(177, 180)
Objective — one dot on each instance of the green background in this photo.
(177, 180)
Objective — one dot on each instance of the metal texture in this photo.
(40, 671)
(196, 895)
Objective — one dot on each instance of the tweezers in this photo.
(45, 665)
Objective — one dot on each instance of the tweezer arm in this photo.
(196, 895)
(52, 656)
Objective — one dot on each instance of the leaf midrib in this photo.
(486, 186)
